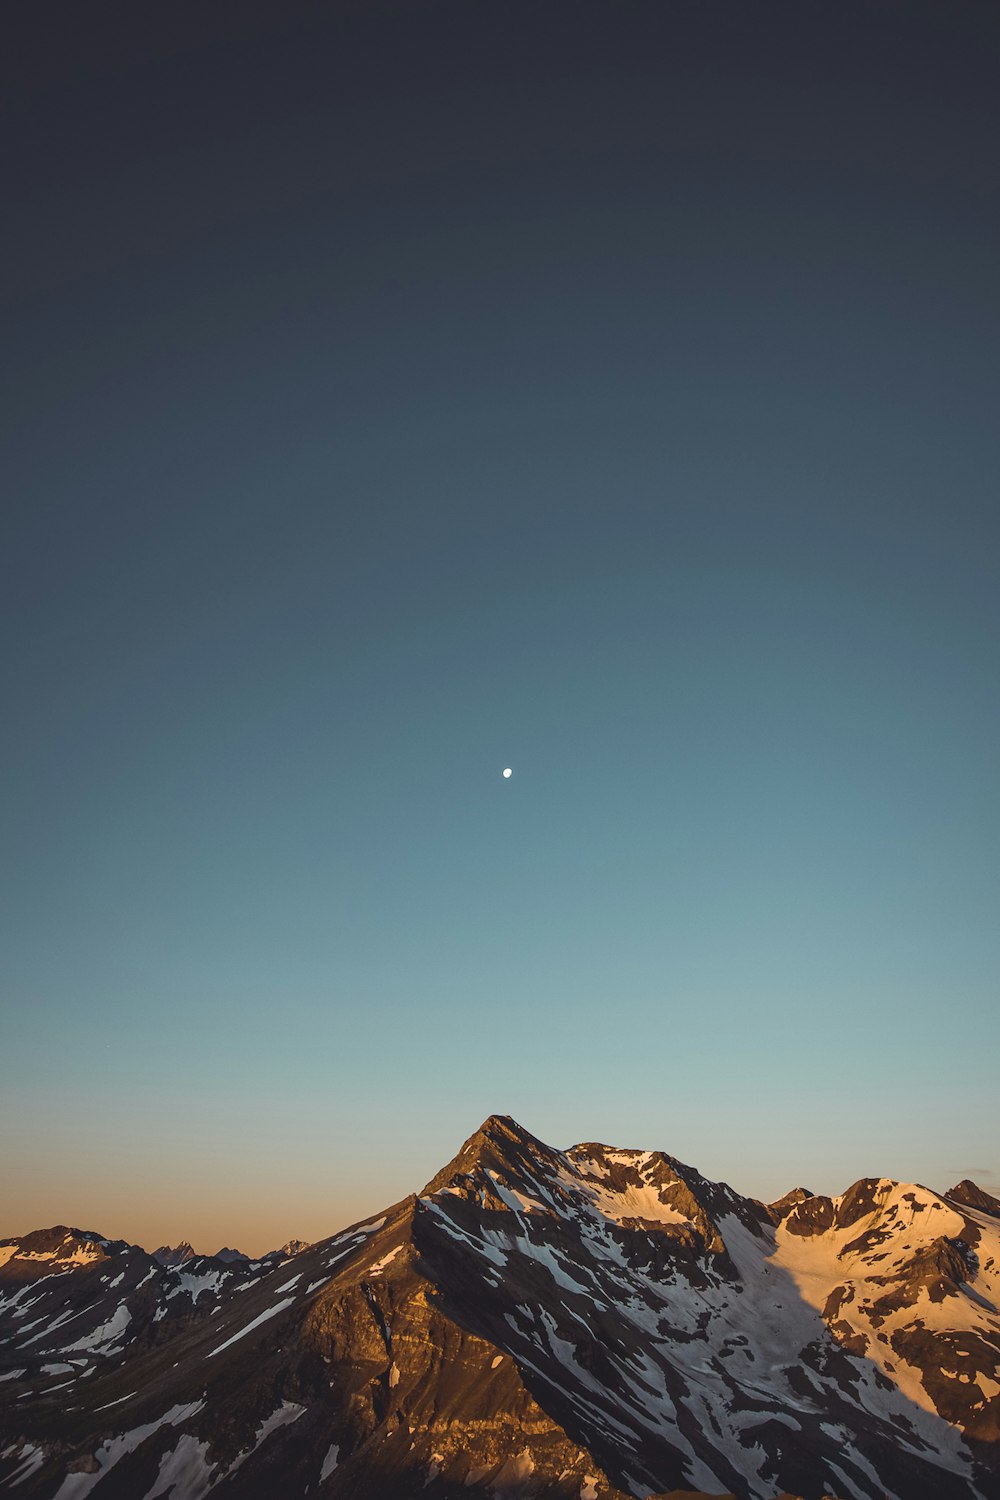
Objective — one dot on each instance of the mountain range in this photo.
(589, 1324)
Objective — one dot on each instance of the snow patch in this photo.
(261, 1318)
(196, 1282)
(185, 1473)
(33, 1460)
(288, 1411)
(386, 1260)
(76, 1486)
(106, 1334)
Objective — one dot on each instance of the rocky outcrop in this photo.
(782, 1207)
(971, 1196)
(174, 1255)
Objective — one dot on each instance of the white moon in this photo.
(508, 773)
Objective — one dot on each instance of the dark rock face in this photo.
(593, 1323)
(174, 1255)
(810, 1216)
(782, 1207)
(968, 1193)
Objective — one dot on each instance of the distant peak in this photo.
(174, 1255)
(973, 1196)
(783, 1206)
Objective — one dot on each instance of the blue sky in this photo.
(650, 452)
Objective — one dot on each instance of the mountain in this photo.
(174, 1255)
(593, 1323)
(96, 1302)
(292, 1247)
(969, 1195)
(179, 1255)
(288, 1249)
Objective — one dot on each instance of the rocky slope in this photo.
(595, 1323)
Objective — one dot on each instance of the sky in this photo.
(398, 392)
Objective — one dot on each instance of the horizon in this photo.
(400, 395)
(171, 1240)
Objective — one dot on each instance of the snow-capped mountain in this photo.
(121, 1300)
(593, 1323)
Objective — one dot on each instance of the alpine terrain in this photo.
(593, 1323)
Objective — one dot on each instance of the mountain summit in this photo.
(174, 1255)
(592, 1323)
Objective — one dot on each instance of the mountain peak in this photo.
(499, 1145)
(782, 1207)
(55, 1250)
(499, 1128)
(972, 1195)
(288, 1249)
(174, 1255)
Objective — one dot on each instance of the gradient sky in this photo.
(398, 392)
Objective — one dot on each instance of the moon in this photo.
(508, 773)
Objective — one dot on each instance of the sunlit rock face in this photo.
(592, 1323)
